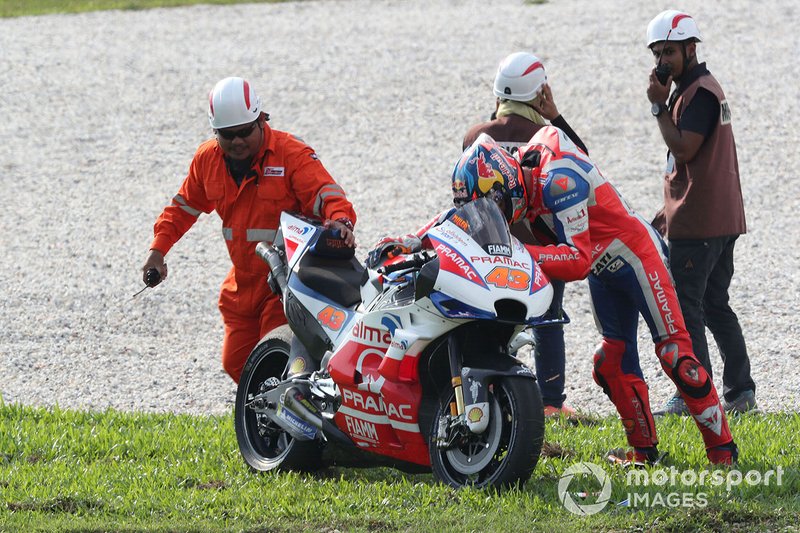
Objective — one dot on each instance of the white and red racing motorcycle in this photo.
(405, 364)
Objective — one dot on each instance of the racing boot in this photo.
(700, 395)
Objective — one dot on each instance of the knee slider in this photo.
(607, 361)
(691, 378)
(598, 360)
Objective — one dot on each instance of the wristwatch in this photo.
(656, 109)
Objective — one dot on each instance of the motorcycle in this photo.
(406, 363)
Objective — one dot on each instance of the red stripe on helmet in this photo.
(533, 67)
(679, 18)
(211, 102)
(246, 87)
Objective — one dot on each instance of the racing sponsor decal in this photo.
(475, 415)
(637, 408)
(663, 302)
(452, 261)
(375, 405)
(560, 184)
(298, 230)
(616, 265)
(391, 322)
(367, 365)
(370, 335)
(565, 256)
(460, 191)
(711, 418)
(539, 279)
(361, 429)
(274, 171)
(291, 247)
(451, 235)
(601, 264)
(565, 198)
(487, 176)
(460, 222)
(298, 366)
(474, 388)
(498, 249)
(499, 260)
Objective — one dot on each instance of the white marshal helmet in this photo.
(672, 25)
(232, 102)
(520, 77)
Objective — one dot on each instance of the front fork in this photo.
(464, 417)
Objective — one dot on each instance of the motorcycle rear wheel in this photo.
(264, 445)
(507, 452)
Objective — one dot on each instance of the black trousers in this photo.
(702, 270)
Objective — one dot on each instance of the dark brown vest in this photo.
(703, 198)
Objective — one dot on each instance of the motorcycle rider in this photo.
(602, 238)
(248, 174)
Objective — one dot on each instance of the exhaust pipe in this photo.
(293, 399)
(275, 259)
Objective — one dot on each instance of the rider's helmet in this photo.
(520, 77)
(672, 25)
(232, 102)
(485, 169)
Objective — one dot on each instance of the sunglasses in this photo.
(243, 133)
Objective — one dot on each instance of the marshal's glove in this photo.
(392, 247)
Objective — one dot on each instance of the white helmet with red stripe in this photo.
(672, 25)
(232, 102)
(520, 77)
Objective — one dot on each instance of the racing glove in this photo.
(392, 247)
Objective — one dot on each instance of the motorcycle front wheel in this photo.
(506, 453)
(263, 444)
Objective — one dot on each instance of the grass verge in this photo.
(73, 470)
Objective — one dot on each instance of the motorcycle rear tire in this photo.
(274, 449)
(507, 452)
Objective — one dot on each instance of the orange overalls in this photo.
(286, 175)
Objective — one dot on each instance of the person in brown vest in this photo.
(703, 212)
(524, 104)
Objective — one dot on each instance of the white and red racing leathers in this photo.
(600, 237)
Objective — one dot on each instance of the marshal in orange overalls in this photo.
(286, 175)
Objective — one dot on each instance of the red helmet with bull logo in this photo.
(485, 169)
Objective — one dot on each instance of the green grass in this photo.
(18, 8)
(66, 470)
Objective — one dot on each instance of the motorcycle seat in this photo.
(336, 279)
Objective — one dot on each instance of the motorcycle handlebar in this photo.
(416, 261)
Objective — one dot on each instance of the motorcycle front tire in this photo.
(506, 453)
(264, 445)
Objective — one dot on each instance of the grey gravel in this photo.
(101, 113)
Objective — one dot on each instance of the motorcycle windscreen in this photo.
(483, 221)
